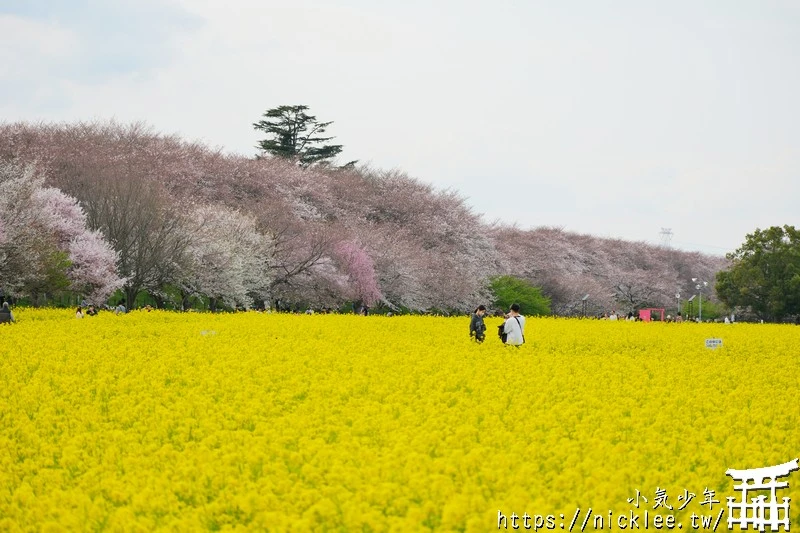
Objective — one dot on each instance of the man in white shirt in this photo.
(514, 327)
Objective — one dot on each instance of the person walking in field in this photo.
(514, 327)
(5, 314)
(477, 328)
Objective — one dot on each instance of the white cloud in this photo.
(32, 47)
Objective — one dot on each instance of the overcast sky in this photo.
(614, 118)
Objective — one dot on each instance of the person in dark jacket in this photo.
(5, 314)
(477, 329)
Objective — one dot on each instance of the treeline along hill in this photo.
(184, 223)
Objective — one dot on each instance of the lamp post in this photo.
(583, 304)
(691, 305)
(678, 298)
(699, 287)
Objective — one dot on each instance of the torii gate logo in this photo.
(758, 511)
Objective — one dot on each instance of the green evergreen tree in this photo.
(509, 289)
(294, 134)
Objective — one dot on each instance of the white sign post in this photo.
(713, 343)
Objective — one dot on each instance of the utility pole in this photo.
(666, 237)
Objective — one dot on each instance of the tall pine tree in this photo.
(294, 134)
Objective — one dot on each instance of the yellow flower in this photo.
(168, 421)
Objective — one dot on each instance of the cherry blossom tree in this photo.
(228, 259)
(615, 274)
(47, 246)
(360, 269)
(94, 267)
(427, 249)
(28, 248)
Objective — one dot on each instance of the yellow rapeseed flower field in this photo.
(250, 421)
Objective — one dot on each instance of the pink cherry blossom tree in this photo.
(49, 247)
(360, 270)
(94, 267)
(428, 250)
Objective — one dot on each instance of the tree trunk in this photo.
(130, 297)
